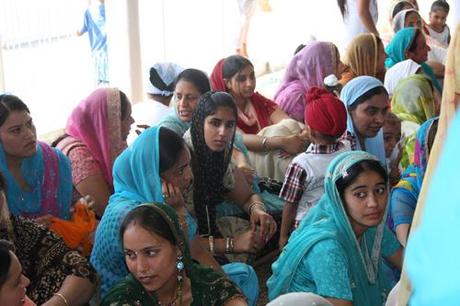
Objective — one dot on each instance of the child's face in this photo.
(391, 136)
(438, 19)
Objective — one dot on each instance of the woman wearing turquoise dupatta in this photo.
(337, 250)
(38, 177)
(161, 269)
(366, 100)
(404, 195)
(410, 43)
(140, 176)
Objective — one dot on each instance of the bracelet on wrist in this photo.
(62, 297)
(227, 245)
(211, 244)
(255, 204)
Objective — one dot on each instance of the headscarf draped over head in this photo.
(399, 21)
(329, 220)
(325, 113)
(136, 180)
(349, 95)
(209, 168)
(161, 77)
(413, 99)
(307, 68)
(362, 55)
(397, 48)
(299, 299)
(96, 122)
(399, 71)
(406, 192)
(217, 77)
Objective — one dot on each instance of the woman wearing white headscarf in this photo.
(399, 71)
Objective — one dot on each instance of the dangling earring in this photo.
(180, 267)
(179, 264)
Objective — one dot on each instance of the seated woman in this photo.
(211, 139)
(155, 168)
(338, 250)
(307, 68)
(410, 43)
(161, 269)
(259, 115)
(367, 103)
(58, 275)
(365, 56)
(404, 195)
(414, 103)
(38, 177)
(189, 86)
(13, 283)
(96, 133)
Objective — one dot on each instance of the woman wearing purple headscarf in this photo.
(307, 68)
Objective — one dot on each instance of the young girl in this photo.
(259, 115)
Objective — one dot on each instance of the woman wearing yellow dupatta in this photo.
(449, 104)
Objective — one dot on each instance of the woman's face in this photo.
(126, 122)
(18, 135)
(412, 20)
(366, 200)
(180, 174)
(420, 54)
(150, 258)
(369, 116)
(13, 291)
(381, 57)
(187, 96)
(219, 129)
(242, 84)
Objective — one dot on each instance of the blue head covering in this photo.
(350, 93)
(396, 51)
(136, 179)
(432, 250)
(329, 220)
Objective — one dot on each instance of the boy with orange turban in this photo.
(325, 122)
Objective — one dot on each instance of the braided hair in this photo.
(209, 167)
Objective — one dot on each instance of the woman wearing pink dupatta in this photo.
(96, 134)
(307, 68)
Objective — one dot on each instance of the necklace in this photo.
(177, 300)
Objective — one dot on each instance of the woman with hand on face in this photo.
(154, 168)
(161, 271)
(338, 249)
(38, 177)
(216, 178)
(96, 134)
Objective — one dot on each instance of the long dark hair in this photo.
(5, 260)
(8, 104)
(209, 167)
(343, 6)
(197, 77)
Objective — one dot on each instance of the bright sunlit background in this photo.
(50, 68)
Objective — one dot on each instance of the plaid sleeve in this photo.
(293, 185)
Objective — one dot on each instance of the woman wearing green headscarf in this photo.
(414, 103)
(410, 43)
(337, 250)
(160, 266)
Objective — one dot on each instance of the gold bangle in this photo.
(254, 204)
(63, 298)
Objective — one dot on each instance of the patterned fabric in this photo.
(405, 194)
(329, 221)
(307, 68)
(208, 287)
(293, 186)
(45, 258)
(96, 122)
(48, 174)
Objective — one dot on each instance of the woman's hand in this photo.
(248, 242)
(265, 221)
(172, 196)
(295, 144)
